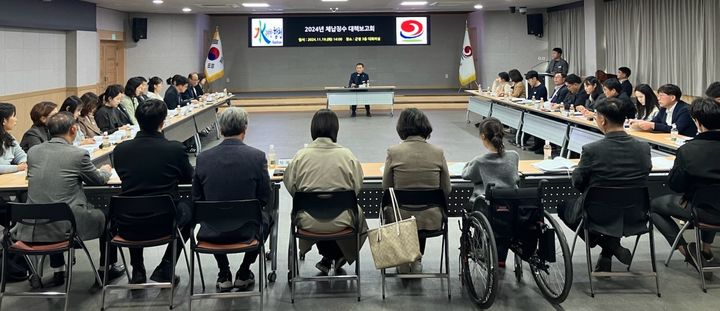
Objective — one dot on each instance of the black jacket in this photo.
(173, 98)
(152, 165)
(562, 93)
(627, 88)
(193, 92)
(358, 79)
(618, 160)
(232, 171)
(575, 100)
(696, 164)
(34, 136)
(681, 118)
(109, 119)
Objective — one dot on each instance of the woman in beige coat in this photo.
(416, 164)
(326, 166)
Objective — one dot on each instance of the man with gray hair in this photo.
(233, 171)
(56, 172)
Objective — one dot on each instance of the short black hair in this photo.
(625, 70)
(504, 76)
(72, 104)
(515, 75)
(558, 50)
(60, 123)
(151, 114)
(562, 74)
(573, 79)
(153, 82)
(324, 124)
(706, 111)
(671, 89)
(613, 84)
(180, 80)
(612, 109)
(532, 74)
(132, 85)
(360, 64)
(713, 90)
(413, 122)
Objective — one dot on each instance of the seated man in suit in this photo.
(618, 160)
(56, 173)
(536, 91)
(233, 171)
(672, 111)
(623, 74)
(713, 91)
(177, 86)
(612, 88)
(151, 165)
(560, 91)
(576, 96)
(358, 78)
(194, 91)
(695, 166)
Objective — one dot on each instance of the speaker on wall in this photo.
(535, 25)
(139, 29)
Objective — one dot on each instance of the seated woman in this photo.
(326, 166)
(134, 88)
(416, 164)
(86, 121)
(74, 105)
(38, 133)
(647, 102)
(498, 167)
(595, 93)
(12, 157)
(155, 86)
(518, 87)
(109, 117)
(501, 85)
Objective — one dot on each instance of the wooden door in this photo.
(112, 64)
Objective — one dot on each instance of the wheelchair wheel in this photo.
(555, 278)
(479, 260)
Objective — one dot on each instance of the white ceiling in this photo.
(317, 6)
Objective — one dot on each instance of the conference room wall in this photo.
(312, 68)
(175, 44)
(504, 44)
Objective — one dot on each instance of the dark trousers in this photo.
(664, 208)
(183, 216)
(573, 207)
(248, 259)
(329, 249)
(354, 107)
(58, 260)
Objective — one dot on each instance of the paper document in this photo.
(114, 175)
(661, 164)
(558, 164)
(456, 169)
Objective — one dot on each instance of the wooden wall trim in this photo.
(73, 90)
(108, 35)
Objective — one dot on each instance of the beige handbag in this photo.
(396, 243)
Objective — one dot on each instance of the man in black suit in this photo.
(623, 74)
(177, 86)
(358, 78)
(618, 160)
(560, 91)
(194, 90)
(696, 165)
(613, 89)
(576, 93)
(152, 165)
(672, 111)
(233, 171)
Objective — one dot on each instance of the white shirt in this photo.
(153, 95)
(669, 114)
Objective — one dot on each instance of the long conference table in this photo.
(180, 127)
(568, 132)
(361, 96)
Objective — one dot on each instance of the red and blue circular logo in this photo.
(411, 29)
(467, 51)
(214, 53)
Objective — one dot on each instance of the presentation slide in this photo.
(305, 31)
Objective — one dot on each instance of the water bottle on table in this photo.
(674, 133)
(272, 157)
(547, 151)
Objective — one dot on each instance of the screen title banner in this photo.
(339, 31)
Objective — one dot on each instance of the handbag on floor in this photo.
(396, 243)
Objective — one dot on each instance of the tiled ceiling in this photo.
(317, 6)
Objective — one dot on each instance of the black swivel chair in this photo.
(323, 205)
(43, 214)
(415, 200)
(227, 217)
(618, 212)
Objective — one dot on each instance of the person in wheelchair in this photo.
(618, 160)
(498, 166)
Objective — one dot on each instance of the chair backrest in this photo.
(133, 216)
(325, 205)
(512, 210)
(226, 217)
(40, 214)
(706, 204)
(417, 199)
(617, 211)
